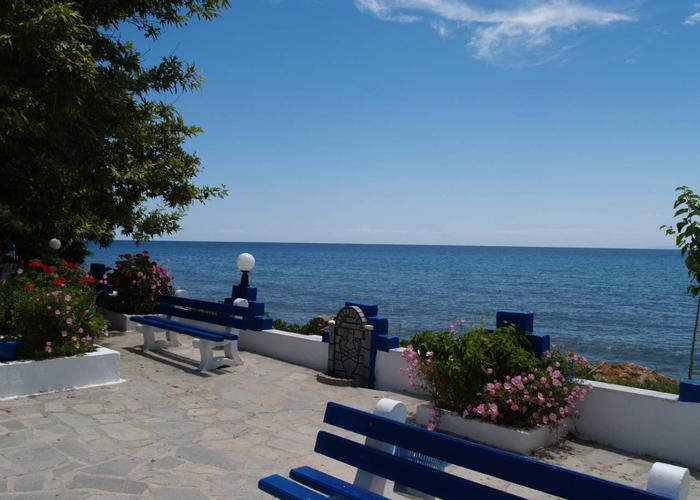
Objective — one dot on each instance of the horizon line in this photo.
(397, 244)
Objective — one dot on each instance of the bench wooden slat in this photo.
(508, 466)
(218, 319)
(331, 485)
(281, 487)
(253, 309)
(184, 328)
(432, 481)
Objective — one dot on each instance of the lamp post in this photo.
(245, 263)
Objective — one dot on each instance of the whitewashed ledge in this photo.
(27, 378)
(522, 441)
(118, 321)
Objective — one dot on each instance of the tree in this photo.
(89, 144)
(687, 233)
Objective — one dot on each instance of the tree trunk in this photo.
(692, 347)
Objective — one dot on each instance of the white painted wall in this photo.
(24, 378)
(304, 350)
(640, 421)
(388, 374)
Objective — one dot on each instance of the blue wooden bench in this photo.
(378, 460)
(201, 317)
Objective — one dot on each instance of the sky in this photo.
(459, 122)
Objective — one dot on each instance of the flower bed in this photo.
(50, 309)
(137, 281)
(25, 378)
(476, 377)
(523, 441)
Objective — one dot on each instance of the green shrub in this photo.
(52, 309)
(138, 281)
(493, 376)
(307, 328)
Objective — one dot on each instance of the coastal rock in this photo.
(319, 323)
(629, 372)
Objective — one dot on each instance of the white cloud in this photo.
(498, 33)
(692, 19)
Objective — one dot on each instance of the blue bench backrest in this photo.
(510, 467)
(244, 318)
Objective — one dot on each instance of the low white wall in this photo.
(388, 375)
(304, 350)
(24, 378)
(640, 421)
(117, 321)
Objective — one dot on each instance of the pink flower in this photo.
(64, 333)
(69, 321)
(68, 298)
(57, 312)
(489, 371)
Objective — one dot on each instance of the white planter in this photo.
(522, 441)
(25, 378)
(118, 321)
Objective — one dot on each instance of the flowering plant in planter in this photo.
(52, 308)
(494, 376)
(138, 280)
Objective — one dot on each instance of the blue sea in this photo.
(617, 305)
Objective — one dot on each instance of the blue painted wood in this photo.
(426, 479)
(190, 330)
(387, 343)
(205, 305)
(259, 323)
(540, 342)
(381, 325)
(508, 466)
(523, 322)
(249, 293)
(689, 391)
(368, 309)
(330, 485)
(283, 488)
(217, 319)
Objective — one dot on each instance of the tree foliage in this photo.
(687, 233)
(89, 143)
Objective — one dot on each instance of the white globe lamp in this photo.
(55, 243)
(245, 263)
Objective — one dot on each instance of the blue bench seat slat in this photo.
(331, 485)
(176, 326)
(281, 487)
(426, 479)
(217, 319)
(508, 466)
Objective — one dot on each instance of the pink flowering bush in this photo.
(494, 376)
(51, 307)
(138, 280)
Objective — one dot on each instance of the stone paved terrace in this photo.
(171, 433)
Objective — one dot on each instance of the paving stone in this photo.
(34, 457)
(33, 482)
(202, 455)
(178, 494)
(166, 463)
(13, 425)
(119, 467)
(111, 484)
(124, 432)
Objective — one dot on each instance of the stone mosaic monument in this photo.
(349, 349)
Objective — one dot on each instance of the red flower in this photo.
(59, 281)
(90, 279)
(146, 252)
(29, 286)
(69, 265)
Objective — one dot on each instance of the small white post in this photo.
(669, 481)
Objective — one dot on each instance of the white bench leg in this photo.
(149, 338)
(394, 410)
(209, 361)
